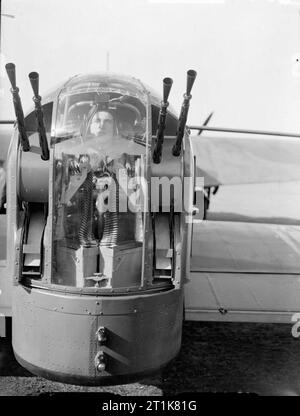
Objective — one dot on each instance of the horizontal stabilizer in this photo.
(234, 247)
(244, 272)
(224, 160)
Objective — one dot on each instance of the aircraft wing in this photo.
(244, 272)
(225, 160)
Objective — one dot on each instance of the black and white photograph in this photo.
(149, 200)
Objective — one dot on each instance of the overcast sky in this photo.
(245, 52)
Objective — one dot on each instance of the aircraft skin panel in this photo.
(5, 281)
(2, 239)
(5, 288)
(242, 298)
(245, 248)
(239, 316)
(244, 292)
(241, 160)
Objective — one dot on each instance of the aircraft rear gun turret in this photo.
(94, 265)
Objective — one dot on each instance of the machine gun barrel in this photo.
(34, 80)
(167, 84)
(191, 76)
(11, 72)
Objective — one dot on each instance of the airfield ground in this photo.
(215, 357)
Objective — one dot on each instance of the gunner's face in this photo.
(102, 124)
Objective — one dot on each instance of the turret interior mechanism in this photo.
(99, 192)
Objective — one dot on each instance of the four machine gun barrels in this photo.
(191, 76)
(34, 80)
(11, 72)
(167, 84)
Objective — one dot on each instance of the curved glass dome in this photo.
(101, 159)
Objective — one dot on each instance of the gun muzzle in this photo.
(191, 76)
(34, 81)
(167, 84)
(11, 72)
